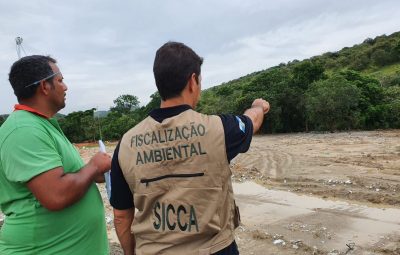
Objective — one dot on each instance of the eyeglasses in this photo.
(37, 82)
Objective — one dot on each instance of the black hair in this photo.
(28, 70)
(173, 66)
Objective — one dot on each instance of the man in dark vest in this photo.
(173, 167)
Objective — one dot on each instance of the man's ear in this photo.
(192, 82)
(44, 87)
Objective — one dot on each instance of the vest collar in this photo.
(19, 107)
(160, 114)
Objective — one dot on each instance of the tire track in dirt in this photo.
(268, 162)
(356, 166)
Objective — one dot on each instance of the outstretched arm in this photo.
(259, 107)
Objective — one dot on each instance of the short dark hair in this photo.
(28, 70)
(173, 65)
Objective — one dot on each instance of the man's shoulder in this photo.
(204, 116)
(19, 119)
(12, 123)
(21, 124)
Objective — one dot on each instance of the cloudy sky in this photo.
(106, 48)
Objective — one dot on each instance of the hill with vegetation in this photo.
(355, 88)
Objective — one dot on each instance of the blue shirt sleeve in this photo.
(238, 134)
(121, 195)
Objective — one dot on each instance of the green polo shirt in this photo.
(29, 146)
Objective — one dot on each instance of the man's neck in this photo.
(175, 102)
(39, 107)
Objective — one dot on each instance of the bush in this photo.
(332, 104)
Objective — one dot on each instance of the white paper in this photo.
(107, 176)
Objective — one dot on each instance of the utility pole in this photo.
(18, 41)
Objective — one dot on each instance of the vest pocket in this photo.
(158, 178)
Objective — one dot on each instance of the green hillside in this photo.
(355, 88)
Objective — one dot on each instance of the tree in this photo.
(305, 73)
(124, 115)
(125, 103)
(116, 124)
(332, 104)
(155, 102)
(79, 126)
(392, 105)
(369, 41)
(360, 62)
(371, 96)
(380, 57)
(291, 102)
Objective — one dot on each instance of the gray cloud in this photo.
(106, 48)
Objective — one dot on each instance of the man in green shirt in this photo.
(47, 193)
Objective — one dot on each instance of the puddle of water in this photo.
(361, 224)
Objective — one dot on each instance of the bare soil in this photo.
(311, 193)
(353, 166)
(359, 172)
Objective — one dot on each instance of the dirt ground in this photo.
(334, 193)
(354, 166)
(312, 193)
